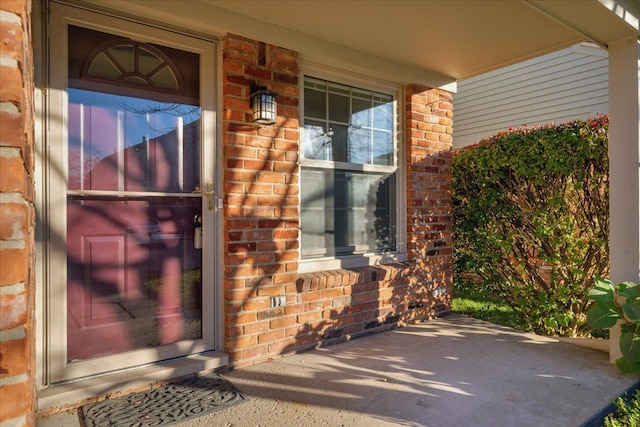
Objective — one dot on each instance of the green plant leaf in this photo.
(629, 290)
(630, 344)
(627, 367)
(604, 291)
(632, 311)
(602, 316)
(531, 198)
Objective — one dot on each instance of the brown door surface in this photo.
(133, 170)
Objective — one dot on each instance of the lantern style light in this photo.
(264, 105)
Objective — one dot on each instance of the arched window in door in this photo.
(122, 66)
(132, 63)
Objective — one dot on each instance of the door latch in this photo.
(208, 194)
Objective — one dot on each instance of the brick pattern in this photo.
(17, 287)
(340, 304)
(429, 130)
(262, 220)
(261, 196)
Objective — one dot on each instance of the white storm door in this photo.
(130, 203)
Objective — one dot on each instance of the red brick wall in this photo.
(261, 198)
(429, 130)
(262, 219)
(17, 288)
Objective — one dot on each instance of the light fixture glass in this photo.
(264, 105)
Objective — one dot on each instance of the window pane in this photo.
(316, 143)
(315, 104)
(339, 213)
(339, 143)
(125, 56)
(384, 230)
(165, 79)
(382, 148)
(104, 68)
(147, 61)
(361, 113)
(383, 115)
(338, 108)
(347, 212)
(315, 189)
(359, 146)
(318, 238)
(355, 215)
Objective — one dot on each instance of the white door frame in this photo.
(53, 203)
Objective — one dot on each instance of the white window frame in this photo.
(315, 70)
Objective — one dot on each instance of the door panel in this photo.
(133, 274)
(132, 141)
(131, 258)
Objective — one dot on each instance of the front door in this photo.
(131, 194)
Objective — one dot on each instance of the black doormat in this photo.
(166, 405)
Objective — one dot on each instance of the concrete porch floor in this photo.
(454, 371)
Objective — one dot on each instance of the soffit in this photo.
(432, 42)
(455, 38)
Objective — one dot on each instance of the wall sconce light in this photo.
(264, 105)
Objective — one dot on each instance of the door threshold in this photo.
(70, 395)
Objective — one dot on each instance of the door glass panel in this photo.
(133, 271)
(124, 55)
(133, 274)
(103, 67)
(148, 61)
(133, 144)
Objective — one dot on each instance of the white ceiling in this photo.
(433, 42)
(457, 38)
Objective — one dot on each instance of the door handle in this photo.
(208, 193)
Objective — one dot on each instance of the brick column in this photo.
(17, 288)
(429, 129)
(261, 199)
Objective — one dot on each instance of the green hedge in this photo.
(531, 198)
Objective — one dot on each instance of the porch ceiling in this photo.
(456, 39)
(434, 42)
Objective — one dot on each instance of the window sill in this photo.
(323, 264)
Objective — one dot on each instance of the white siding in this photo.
(562, 86)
